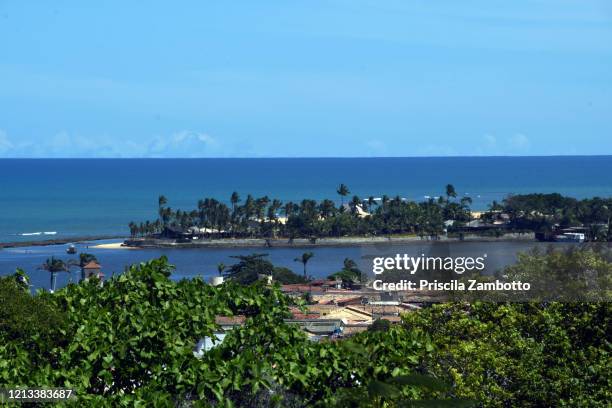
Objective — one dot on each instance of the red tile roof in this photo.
(300, 288)
(317, 282)
(221, 320)
(349, 301)
(92, 265)
(299, 314)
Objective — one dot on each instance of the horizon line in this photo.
(305, 157)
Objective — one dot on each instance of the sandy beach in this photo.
(112, 245)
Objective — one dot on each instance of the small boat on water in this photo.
(71, 249)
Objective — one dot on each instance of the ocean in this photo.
(43, 199)
(62, 198)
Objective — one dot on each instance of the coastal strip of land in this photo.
(304, 242)
(125, 243)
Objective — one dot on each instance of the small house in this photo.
(92, 268)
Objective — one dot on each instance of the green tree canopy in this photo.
(286, 276)
(249, 268)
(85, 258)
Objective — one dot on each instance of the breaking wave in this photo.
(29, 234)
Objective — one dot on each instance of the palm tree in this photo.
(327, 208)
(371, 202)
(273, 210)
(450, 192)
(495, 206)
(385, 201)
(54, 266)
(234, 199)
(220, 268)
(304, 260)
(260, 207)
(161, 202)
(289, 209)
(355, 201)
(249, 207)
(343, 191)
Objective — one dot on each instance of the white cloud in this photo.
(5, 143)
(376, 147)
(64, 144)
(519, 142)
(185, 143)
(490, 141)
(503, 145)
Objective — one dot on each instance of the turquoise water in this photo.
(76, 197)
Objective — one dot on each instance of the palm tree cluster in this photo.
(545, 212)
(263, 217)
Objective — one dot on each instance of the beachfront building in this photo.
(357, 209)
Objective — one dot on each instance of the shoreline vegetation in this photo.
(305, 243)
(262, 221)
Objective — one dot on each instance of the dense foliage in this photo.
(260, 217)
(251, 268)
(542, 212)
(574, 274)
(130, 342)
(522, 354)
(32, 322)
(350, 274)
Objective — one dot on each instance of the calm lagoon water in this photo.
(203, 261)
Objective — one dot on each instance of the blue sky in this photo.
(305, 78)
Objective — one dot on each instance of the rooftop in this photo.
(92, 265)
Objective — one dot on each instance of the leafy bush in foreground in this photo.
(131, 343)
(521, 354)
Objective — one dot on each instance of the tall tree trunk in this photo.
(53, 280)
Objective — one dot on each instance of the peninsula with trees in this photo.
(265, 221)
